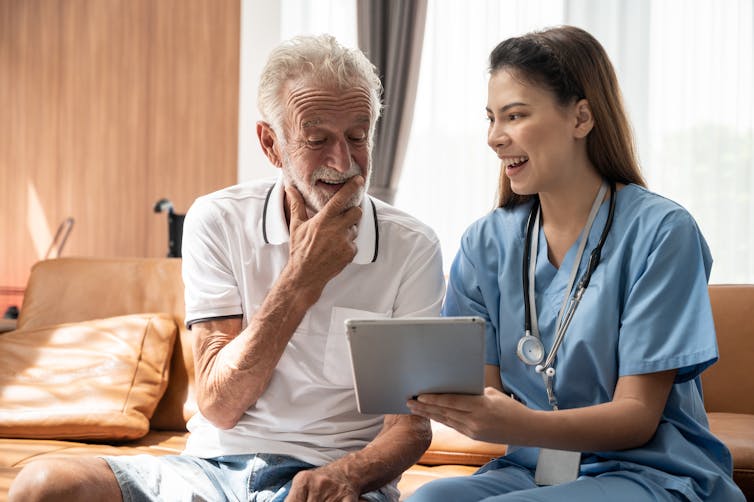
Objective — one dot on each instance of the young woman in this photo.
(594, 291)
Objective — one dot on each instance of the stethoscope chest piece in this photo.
(530, 350)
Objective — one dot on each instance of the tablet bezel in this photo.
(395, 359)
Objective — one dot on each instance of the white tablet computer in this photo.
(394, 360)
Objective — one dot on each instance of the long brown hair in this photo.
(573, 65)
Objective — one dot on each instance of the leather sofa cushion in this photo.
(451, 447)
(418, 475)
(16, 453)
(99, 379)
(77, 289)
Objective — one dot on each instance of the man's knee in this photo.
(34, 482)
(63, 479)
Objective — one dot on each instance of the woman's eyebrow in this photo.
(507, 107)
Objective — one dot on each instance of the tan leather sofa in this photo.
(100, 363)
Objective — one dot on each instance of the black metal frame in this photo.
(175, 227)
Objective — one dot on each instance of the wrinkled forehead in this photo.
(307, 104)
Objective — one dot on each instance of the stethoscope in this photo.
(530, 348)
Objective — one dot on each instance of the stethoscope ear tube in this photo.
(596, 254)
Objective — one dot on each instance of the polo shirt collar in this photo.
(275, 228)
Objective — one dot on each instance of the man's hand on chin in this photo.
(323, 245)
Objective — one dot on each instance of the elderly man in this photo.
(272, 269)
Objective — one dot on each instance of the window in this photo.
(700, 127)
(312, 17)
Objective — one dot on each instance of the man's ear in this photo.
(584, 119)
(269, 143)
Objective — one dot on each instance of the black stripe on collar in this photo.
(376, 230)
(264, 214)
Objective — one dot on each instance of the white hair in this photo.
(321, 60)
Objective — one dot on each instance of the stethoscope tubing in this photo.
(594, 259)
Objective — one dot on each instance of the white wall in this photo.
(260, 32)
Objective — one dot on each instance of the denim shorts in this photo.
(179, 478)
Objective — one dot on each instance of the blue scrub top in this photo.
(646, 310)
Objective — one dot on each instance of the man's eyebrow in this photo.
(361, 119)
(507, 107)
(311, 123)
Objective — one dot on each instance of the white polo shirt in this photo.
(235, 244)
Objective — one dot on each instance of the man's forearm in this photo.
(400, 444)
(233, 373)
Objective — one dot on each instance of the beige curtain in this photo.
(391, 33)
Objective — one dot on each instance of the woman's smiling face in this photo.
(532, 134)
